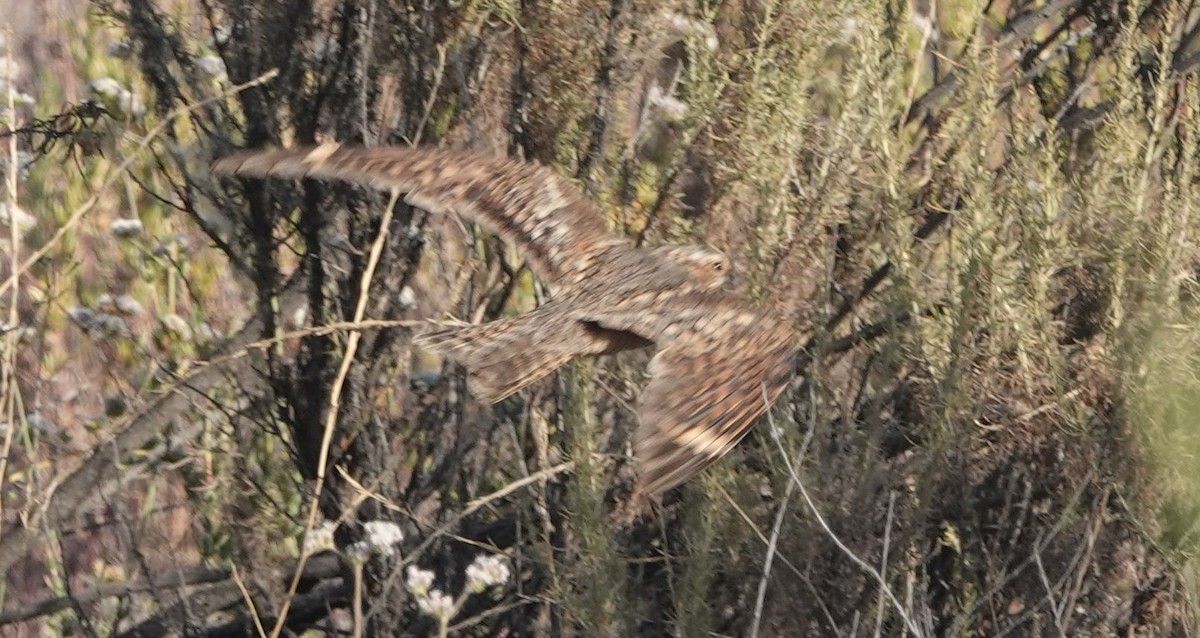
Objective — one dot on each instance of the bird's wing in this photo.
(525, 203)
(719, 366)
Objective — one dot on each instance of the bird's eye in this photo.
(718, 265)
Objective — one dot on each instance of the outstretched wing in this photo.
(525, 203)
(719, 366)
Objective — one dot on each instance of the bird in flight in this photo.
(719, 363)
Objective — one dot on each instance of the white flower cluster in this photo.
(383, 536)
(124, 228)
(320, 538)
(10, 72)
(483, 573)
(14, 216)
(121, 304)
(672, 108)
(24, 161)
(213, 67)
(379, 538)
(120, 49)
(437, 604)
(486, 572)
(117, 99)
(99, 324)
(20, 98)
(686, 27)
(430, 600)
(419, 581)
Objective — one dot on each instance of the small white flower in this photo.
(691, 28)
(218, 36)
(105, 87)
(436, 604)
(320, 538)
(408, 299)
(127, 305)
(39, 423)
(213, 67)
(418, 581)
(298, 318)
(128, 104)
(125, 228)
(110, 325)
(672, 108)
(850, 28)
(359, 552)
(116, 98)
(487, 571)
(17, 217)
(83, 317)
(382, 536)
(176, 326)
(23, 99)
(120, 49)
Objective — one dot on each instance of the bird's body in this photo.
(719, 362)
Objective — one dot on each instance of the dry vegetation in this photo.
(980, 220)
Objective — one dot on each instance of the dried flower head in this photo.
(125, 228)
(487, 570)
(437, 604)
(418, 581)
(382, 536)
(321, 538)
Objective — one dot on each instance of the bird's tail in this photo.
(503, 356)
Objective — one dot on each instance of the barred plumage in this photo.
(719, 362)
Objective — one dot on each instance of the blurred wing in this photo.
(720, 365)
(526, 204)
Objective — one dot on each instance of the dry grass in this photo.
(981, 225)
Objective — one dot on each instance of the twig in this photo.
(883, 561)
(438, 72)
(475, 504)
(356, 605)
(335, 394)
(237, 579)
(114, 174)
(777, 435)
(770, 558)
(485, 614)
(320, 568)
(94, 476)
(1018, 29)
(9, 390)
(1054, 608)
(1016, 571)
(200, 576)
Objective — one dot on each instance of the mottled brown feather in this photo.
(719, 363)
(525, 203)
(719, 366)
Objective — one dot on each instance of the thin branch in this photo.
(115, 173)
(770, 558)
(777, 435)
(335, 393)
(883, 561)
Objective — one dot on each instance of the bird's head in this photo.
(708, 266)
